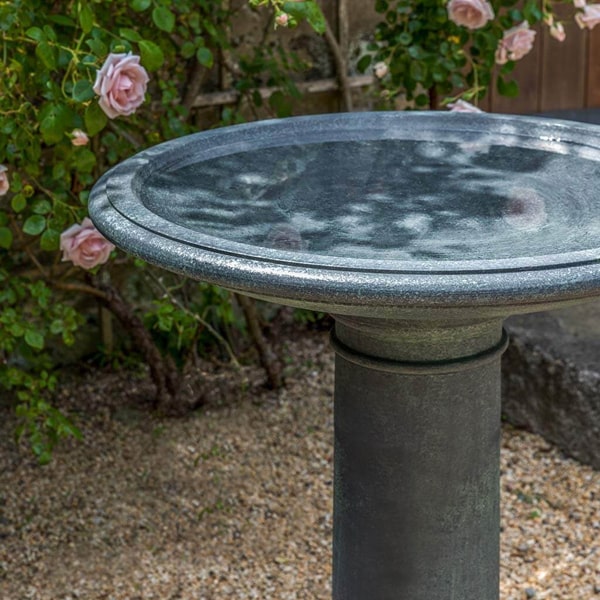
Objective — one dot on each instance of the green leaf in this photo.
(364, 63)
(418, 71)
(417, 52)
(56, 327)
(205, 57)
(508, 68)
(422, 100)
(152, 55)
(41, 207)
(257, 98)
(532, 12)
(18, 203)
(35, 33)
(50, 240)
(280, 104)
(187, 49)
(50, 33)
(51, 130)
(82, 91)
(34, 339)
(46, 54)
(98, 47)
(306, 10)
(130, 34)
(163, 18)
(61, 20)
(16, 329)
(439, 74)
(6, 237)
(84, 160)
(516, 15)
(34, 225)
(140, 5)
(55, 120)
(507, 88)
(405, 38)
(86, 17)
(95, 119)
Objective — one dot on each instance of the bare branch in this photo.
(341, 66)
(267, 358)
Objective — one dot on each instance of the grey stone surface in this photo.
(399, 215)
(551, 370)
(586, 115)
(551, 378)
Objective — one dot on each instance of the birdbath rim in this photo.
(152, 204)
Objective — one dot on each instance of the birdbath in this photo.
(419, 233)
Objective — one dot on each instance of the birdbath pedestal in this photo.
(420, 233)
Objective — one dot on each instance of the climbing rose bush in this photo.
(590, 17)
(456, 49)
(84, 245)
(79, 138)
(472, 14)
(557, 31)
(85, 84)
(121, 84)
(515, 43)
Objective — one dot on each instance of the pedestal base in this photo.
(417, 443)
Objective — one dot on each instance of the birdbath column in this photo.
(417, 445)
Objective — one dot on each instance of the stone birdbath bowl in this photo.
(419, 233)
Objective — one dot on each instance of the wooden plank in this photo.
(563, 66)
(316, 86)
(362, 20)
(330, 11)
(593, 68)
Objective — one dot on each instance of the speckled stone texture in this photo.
(551, 378)
(551, 370)
(474, 205)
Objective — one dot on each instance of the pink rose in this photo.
(84, 245)
(463, 106)
(471, 14)
(4, 184)
(557, 31)
(515, 43)
(579, 3)
(79, 138)
(380, 69)
(121, 84)
(282, 19)
(590, 17)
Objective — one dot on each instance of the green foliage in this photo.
(296, 11)
(429, 57)
(50, 55)
(306, 10)
(308, 317)
(189, 317)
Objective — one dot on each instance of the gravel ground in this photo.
(235, 500)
